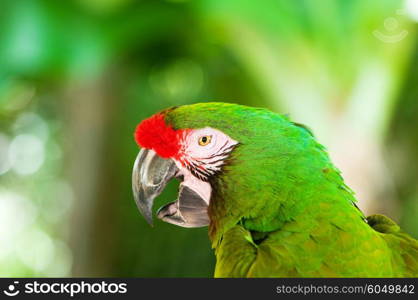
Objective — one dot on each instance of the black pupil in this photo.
(204, 139)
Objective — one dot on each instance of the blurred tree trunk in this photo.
(88, 109)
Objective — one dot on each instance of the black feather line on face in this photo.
(220, 149)
(216, 161)
(195, 165)
(229, 149)
(203, 171)
(226, 151)
(197, 172)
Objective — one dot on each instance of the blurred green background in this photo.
(77, 76)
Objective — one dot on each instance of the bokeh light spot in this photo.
(31, 123)
(412, 9)
(16, 214)
(36, 249)
(26, 154)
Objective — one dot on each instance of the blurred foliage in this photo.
(77, 76)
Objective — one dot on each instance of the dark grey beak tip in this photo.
(143, 205)
(148, 219)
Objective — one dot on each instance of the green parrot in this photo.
(275, 204)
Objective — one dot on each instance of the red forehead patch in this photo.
(153, 133)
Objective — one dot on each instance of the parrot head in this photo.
(173, 148)
(234, 163)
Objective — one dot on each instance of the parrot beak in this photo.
(150, 175)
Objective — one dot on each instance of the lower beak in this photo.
(150, 175)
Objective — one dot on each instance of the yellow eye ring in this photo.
(205, 140)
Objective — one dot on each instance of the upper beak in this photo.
(150, 175)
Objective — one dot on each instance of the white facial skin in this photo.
(203, 153)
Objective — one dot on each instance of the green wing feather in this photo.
(354, 248)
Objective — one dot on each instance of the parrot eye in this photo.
(205, 140)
